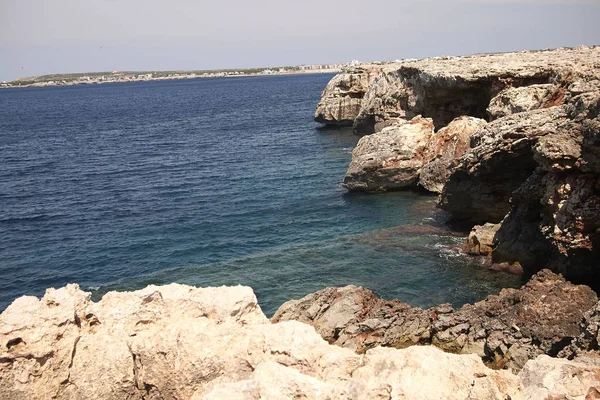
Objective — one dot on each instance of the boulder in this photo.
(408, 153)
(481, 239)
(390, 159)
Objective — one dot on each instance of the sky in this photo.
(59, 36)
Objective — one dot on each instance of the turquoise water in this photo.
(208, 182)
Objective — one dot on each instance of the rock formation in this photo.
(391, 159)
(179, 342)
(342, 98)
(538, 172)
(535, 167)
(409, 153)
(444, 88)
(480, 241)
(505, 330)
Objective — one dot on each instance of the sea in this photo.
(209, 182)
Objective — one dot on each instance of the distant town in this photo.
(90, 78)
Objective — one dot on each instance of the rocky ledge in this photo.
(180, 342)
(509, 139)
(543, 317)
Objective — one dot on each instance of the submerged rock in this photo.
(505, 330)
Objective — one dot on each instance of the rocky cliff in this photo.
(179, 342)
(341, 100)
(524, 151)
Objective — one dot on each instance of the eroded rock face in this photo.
(514, 100)
(391, 159)
(538, 172)
(499, 161)
(342, 97)
(447, 145)
(180, 342)
(444, 88)
(408, 153)
(506, 330)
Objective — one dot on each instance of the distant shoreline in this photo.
(132, 76)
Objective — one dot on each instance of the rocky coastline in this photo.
(507, 139)
(509, 142)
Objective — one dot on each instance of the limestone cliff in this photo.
(179, 342)
(534, 166)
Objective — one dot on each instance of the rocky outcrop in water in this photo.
(179, 342)
(542, 317)
(342, 98)
(409, 153)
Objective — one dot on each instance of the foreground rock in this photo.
(542, 317)
(409, 153)
(179, 342)
(342, 98)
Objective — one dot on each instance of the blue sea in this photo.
(209, 182)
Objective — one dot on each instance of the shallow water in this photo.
(208, 182)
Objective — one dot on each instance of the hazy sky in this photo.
(52, 36)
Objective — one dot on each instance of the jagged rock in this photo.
(588, 341)
(481, 239)
(505, 330)
(391, 159)
(179, 342)
(518, 99)
(541, 169)
(342, 97)
(448, 144)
